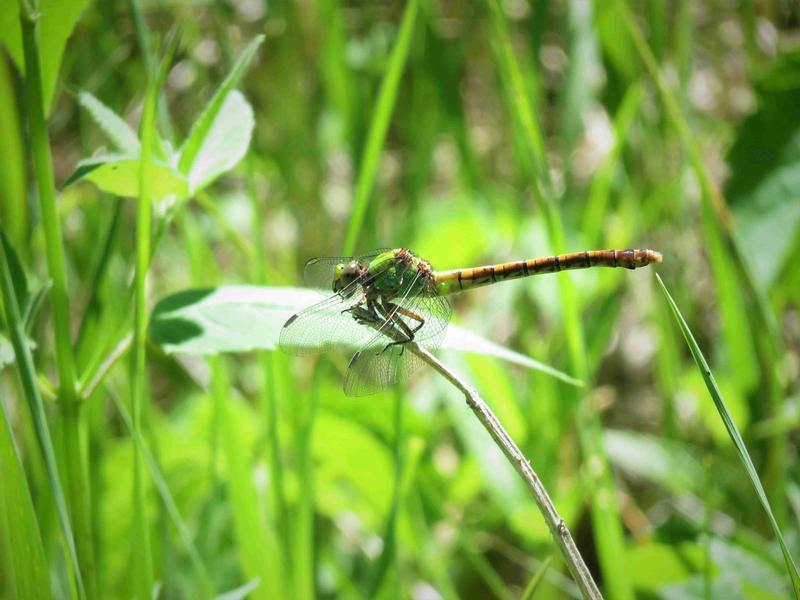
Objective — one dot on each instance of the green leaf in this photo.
(119, 175)
(22, 559)
(118, 131)
(244, 318)
(201, 131)
(56, 22)
(764, 188)
(734, 434)
(225, 144)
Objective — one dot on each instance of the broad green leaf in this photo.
(22, 559)
(733, 432)
(119, 175)
(764, 188)
(244, 318)
(202, 128)
(225, 144)
(118, 131)
(57, 20)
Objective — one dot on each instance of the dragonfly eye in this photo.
(346, 273)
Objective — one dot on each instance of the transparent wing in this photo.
(323, 326)
(318, 272)
(375, 367)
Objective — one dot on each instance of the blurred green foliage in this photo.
(473, 133)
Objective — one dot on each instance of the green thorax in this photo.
(395, 270)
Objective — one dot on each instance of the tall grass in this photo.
(471, 133)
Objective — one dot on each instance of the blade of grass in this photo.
(379, 124)
(279, 511)
(731, 271)
(484, 570)
(303, 415)
(333, 63)
(77, 484)
(711, 195)
(169, 501)
(605, 516)
(388, 554)
(537, 579)
(595, 211)
(27, 375)
(733, 432)
(256, 543)
(13, 200)
(22, 558)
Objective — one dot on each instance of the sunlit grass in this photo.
(130, 350)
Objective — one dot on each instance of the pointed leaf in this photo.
(226, 143)
(118, 131)
(202, 127)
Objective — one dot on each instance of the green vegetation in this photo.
(168, 168)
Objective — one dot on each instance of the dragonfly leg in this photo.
(390, 312)
(364, 315)
(411, 315)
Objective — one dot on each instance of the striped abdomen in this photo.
(449, 282)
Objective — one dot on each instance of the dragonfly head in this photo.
(346, 273)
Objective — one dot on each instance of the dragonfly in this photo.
(384, 301)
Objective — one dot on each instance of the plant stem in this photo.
(558, 529)
(142, 555)
(77, 483)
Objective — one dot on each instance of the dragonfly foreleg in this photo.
(410, 314)
(392, 312)
(364, 315)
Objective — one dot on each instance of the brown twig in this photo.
(558, 529)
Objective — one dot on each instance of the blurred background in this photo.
(517, 129)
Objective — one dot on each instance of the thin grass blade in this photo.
(733, 431)
(22, 556)
(379, 125)
(27, 374)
